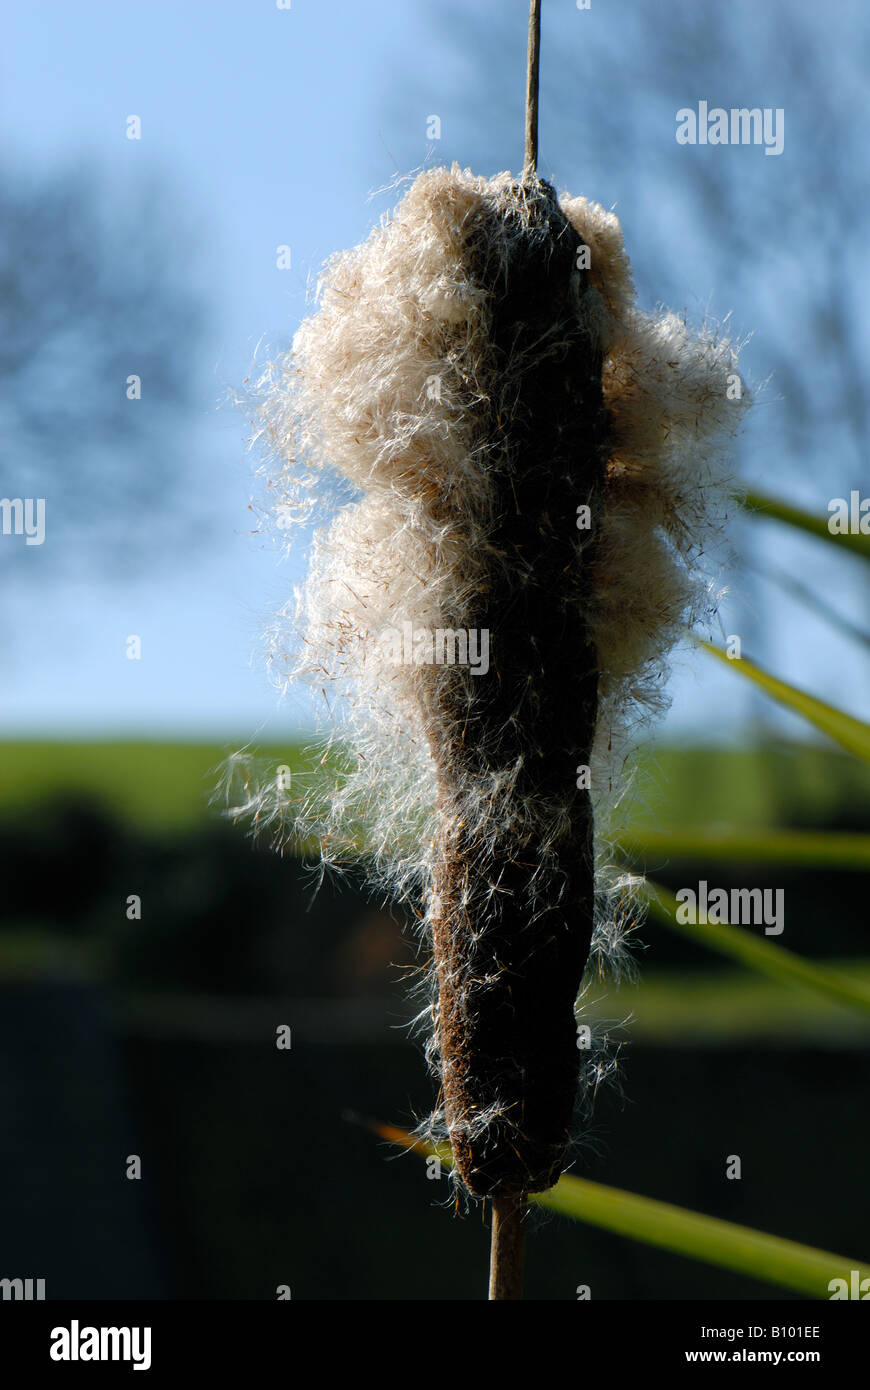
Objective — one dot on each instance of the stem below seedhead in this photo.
(507, 1249)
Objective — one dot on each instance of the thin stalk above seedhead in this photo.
(531, 159)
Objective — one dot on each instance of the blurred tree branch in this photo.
(96, 286)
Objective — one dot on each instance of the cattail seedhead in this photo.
(534, 458)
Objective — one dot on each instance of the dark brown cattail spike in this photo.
(512, 900)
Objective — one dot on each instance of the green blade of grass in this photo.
(699, 1237)
(808, 848)
(757, 952)
(851, 733)
(724, 1003)
(684, 1232)
(759, 504)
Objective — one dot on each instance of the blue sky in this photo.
(275, 126)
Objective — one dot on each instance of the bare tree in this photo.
(99, 325)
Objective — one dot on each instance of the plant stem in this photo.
(531, 162)
(507, 1249)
